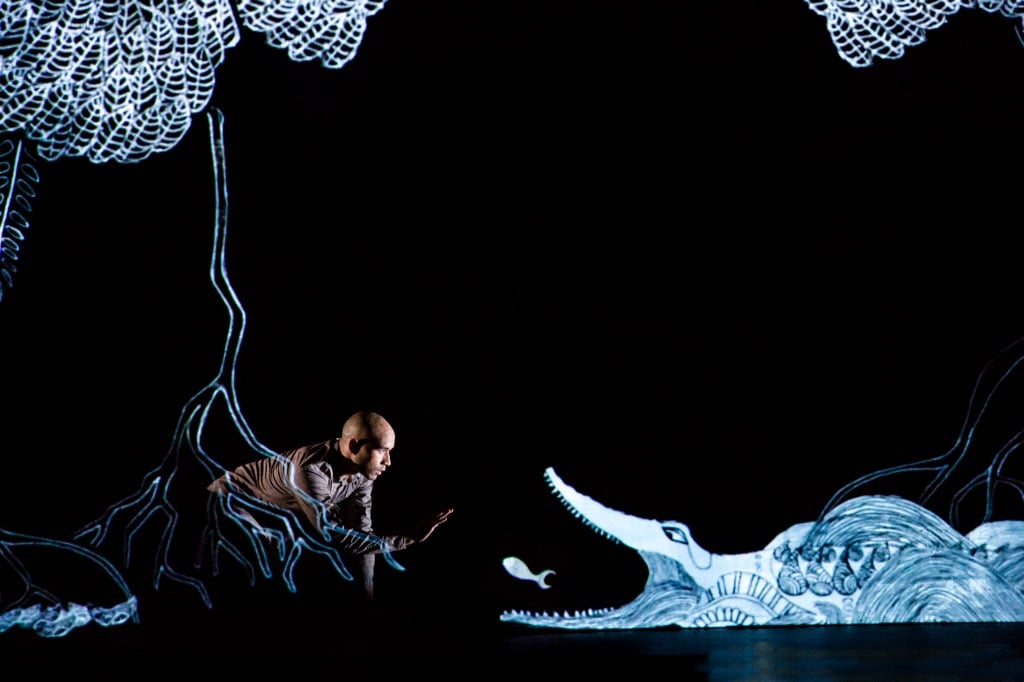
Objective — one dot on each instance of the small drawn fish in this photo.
(518, 569)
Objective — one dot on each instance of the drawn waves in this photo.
(936, 574)
(922, 586)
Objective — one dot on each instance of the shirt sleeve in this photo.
(355, 513)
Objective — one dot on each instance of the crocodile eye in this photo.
(676, 534)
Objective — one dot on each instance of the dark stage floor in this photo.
(904, 652)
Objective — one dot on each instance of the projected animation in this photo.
(866, 559)
(872, 559)
(117, 83)
(231, 530)
(121, 82)
(50, 607)
(517, 568)
(864, 31)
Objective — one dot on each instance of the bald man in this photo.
(339, 474)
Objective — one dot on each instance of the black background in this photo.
(687, 256)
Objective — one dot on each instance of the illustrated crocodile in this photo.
(871, 559)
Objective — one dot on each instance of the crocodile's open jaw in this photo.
(669, 594)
